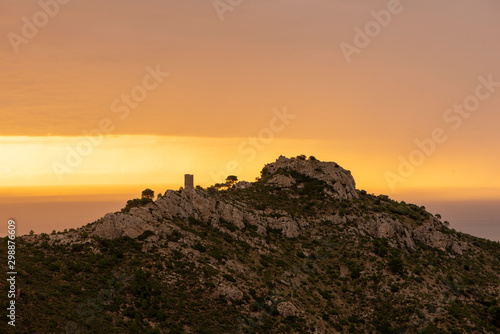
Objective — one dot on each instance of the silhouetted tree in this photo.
(148, 193)
(230, 180)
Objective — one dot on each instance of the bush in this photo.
(199, 247)
(494, 315)
(229, 278)
(224, 223)
(396, 265)
(380, 247)
(145, 235)
(136, 202)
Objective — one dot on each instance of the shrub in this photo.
(494, 315)
(396, 265)
(230, 226)
(136, 202)
(145, 235)
(199, 247)
(229, 278)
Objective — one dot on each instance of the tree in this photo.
(438, 216)
(32, 232)
(230, 180)
(148, 193)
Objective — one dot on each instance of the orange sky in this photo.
(229, 79)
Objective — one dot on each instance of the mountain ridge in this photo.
(339, 184)
(298, 250)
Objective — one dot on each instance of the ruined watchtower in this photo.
(188, 181)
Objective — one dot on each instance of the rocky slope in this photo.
(300, 250)
(338, 184)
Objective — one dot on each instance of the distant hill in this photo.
(301, 250)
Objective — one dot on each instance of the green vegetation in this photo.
(136, 202)
(148, 193)
(209, 274)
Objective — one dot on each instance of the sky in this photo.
(99, 100)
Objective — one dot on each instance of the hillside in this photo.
(300, 250)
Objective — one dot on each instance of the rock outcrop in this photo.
(190, 203)
(287, 309)
(116, 225)
(218, 212)
(341, 180)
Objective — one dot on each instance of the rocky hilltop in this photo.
(331, 180)
(340, 183)
(300, 250)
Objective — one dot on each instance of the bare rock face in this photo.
(288, 226)
(198, 205)
(344, 186)
(228, 291)
(431, 234)
(242, 185)
(281, 181)
(383, 226)
(287, 309)
(119, 225)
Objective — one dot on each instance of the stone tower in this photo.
(188, 181)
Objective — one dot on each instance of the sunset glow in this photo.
(30, 162)
(103, 97)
